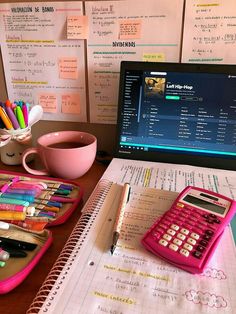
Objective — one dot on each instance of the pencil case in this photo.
(52, 207)
(31, 229)
(16, 268)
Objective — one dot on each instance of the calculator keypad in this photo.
(186, 231)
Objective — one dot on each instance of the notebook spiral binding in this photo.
(64, 261)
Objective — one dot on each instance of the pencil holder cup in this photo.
(13, 143)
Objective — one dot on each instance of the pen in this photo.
(120, 214)
(12, 117)
(20, 117)
(4, 255)
(8, 184)
(14, 252)
(5, 119)
(17, 244)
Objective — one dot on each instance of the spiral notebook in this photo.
(86, 278)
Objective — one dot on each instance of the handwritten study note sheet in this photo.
(133, 280)
(209, 31)
(127, 30)
(43, 64)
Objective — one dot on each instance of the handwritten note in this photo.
(39, 56)
(71, 103)
(68, 68)
(48, 101)
(210, 31)
(153, 57)
(127, 30)
(130, 29)
(133, 280)
(77, 27)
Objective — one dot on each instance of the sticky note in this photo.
(68, 68)
(70, 103)
(77, 27)
(48, 101)
(130, 29)
(153, 57)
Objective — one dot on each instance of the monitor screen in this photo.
(180, 113)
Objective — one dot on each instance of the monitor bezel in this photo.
(228, 163)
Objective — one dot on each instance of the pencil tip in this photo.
(112, 249)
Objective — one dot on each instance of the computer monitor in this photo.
(177, 113)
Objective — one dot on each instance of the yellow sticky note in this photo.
(130, 29)
(70, 103)
(48, 101)
(68, 68)
(153, 57)
(77, 27)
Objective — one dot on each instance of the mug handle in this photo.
(27, 152)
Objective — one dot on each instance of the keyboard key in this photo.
(188, 246)
(184, 231)
(184, 252)
(191, 241)
(173, 247)
(174, 227)
(163, 242)
(177, 241)
(167, 237)
(194, 235)
(181, 236)
(171, 232)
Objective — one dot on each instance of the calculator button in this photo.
(177, 241)
(156, 235)
(197, 254)
(204, 243)
(184, 252)
(171, 232)
(191, 241)
(209, 232)
(173, 247)
(217, 221)
(164, 226)
(206, 237)
(167, 237)
(175, 227)
(188, 246)
(163, 242)
(212, 215)
(184, 231)
(181, 205)
(181, 236)
(200, 248)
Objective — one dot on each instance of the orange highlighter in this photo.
(7, 122)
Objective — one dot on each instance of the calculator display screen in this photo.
(205, 204)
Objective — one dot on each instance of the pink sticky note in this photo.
(68, 68)
(70, 103)
(77, 27)
(130, 29)
(48, 101)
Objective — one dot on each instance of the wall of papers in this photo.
(66, 56)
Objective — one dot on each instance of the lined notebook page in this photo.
(133, 280)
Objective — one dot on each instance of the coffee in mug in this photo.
(64, 154)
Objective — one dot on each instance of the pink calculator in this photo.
(188, 233)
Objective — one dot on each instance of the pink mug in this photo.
(64, 154)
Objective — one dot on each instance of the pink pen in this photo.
(9, 183)
(12, 207)
(25, 113)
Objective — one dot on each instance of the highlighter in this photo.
(20, 117)
(5, 119)
(11, 215)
